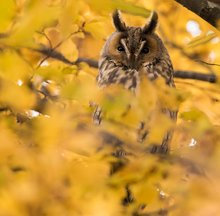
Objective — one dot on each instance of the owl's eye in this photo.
(145, 50)
(120, 49)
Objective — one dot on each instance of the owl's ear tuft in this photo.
(151, 26)
(118, 22)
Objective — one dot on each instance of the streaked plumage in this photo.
(131, 53)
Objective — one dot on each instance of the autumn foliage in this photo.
(56, 161)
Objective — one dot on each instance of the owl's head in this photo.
(131, 47)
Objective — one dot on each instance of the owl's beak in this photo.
(132, 63)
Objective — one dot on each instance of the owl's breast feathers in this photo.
(112, 73)
(160, 67)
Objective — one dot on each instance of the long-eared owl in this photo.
(133, 52)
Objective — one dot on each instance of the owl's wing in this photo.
(107, 72)
(167, 71)
(160, 68)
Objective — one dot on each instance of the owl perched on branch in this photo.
(131, 53)
(134, 51)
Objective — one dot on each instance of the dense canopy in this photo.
(56, 161)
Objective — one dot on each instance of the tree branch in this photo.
(51, 53)
(195, 75)
(209, 10)
(90, 62)
(192, 57)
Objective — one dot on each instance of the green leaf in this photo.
(202, 39)
(191, 115)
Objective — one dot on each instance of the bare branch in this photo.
(192, 57)
(90, 62)
(51, 53)
(195, 75)
(48, 39)
(207, 63)
(209, 10)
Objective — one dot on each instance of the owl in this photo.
(131, 53)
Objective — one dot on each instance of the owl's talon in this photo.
(97, 115)
(128, 198)
(141, 126)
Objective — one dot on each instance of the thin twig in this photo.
(48, 39)
(81, 29)
(51, 51)
(192, 57)
(207, 63)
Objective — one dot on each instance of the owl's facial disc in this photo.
(131, 49)
(132, 52)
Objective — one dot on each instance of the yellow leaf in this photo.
(69, 14)
(96, 28)
(37, 15)
(82, 89)
(115, 101)
(119, 4)
(13, 67)
(17, 97)
(55, 71)
(193, 115)
(202, 39)
(7, 12)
